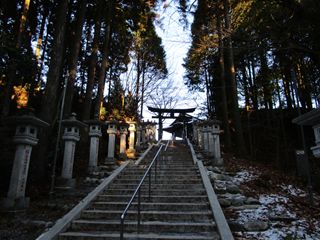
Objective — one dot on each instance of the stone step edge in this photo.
(188, 236)
(161, 196)
(150, 223)
(151, 203)
(204, 212)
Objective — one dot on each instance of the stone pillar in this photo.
(160, 130)
(123, 140)
(217, 159)
(195, 133)
(131, 151)
(143, 133)
(25, 138)
(112, 130)
(70, 136)
(205, 138)
(138, 140)
(95, 134)
(316, 149)
(211, 141)
(200, 136)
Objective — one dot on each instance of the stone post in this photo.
(25, 138)
(205, 138)
(211, 141)
(123, 140)
(94, 134)
(131, 151)
(316, 149)
(138, 140)
(112, 130)
(143, 133)
(195, 132)
(200, 136)
(70, 136)
(217, 159)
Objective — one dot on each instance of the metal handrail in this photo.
(137, 191)
(165, 149)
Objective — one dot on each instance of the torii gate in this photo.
(164, 113)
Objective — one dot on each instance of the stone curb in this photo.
(221, 222)
(64, 222)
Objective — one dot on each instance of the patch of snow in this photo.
(243, 176)
(294, 191)
(276, 205)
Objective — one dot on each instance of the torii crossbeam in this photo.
(166, 113)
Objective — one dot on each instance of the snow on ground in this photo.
(244, 176)
(274, 209)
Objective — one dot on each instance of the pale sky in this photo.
(176, 42)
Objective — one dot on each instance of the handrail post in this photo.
(150, 186)
(122, 228)
(139, 205)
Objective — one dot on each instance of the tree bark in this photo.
(240, 147)
(225, 113)
(92, 67)
(75, 48)
(105, 60)
(49, 101)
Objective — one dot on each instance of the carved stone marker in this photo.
(131, 151)
(138, 141)
(25, 138)
(123, 140)
(95, 134)
(311, 118)
(215, 132)
(71, 136)
(112, 130)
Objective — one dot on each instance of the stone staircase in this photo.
(177, 209)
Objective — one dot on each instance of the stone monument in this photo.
(25, 138)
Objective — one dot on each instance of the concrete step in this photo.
(153, 206)
(194, 216)
(158, 186)
(145, 227)
(157, 192)
(160, 180)
(162, 199)
(134, 236)
(162, 176)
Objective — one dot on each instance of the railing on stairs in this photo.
(137, 191)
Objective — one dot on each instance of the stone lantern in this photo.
(25, 138)
(311, 118)
(71, 136)
(94, 134)
(112, 131)
(143, 132)
(215, 143)
(205, 132)
(138, 140)
(200, 135)
(123, 140)
(131, 151)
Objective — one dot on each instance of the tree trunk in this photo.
(49, 101)
(49, 106)
(92, 67)
(240, 147)
(267, 91)
(75, 48)
(225, 118)
(105, 61)
(13, 63)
